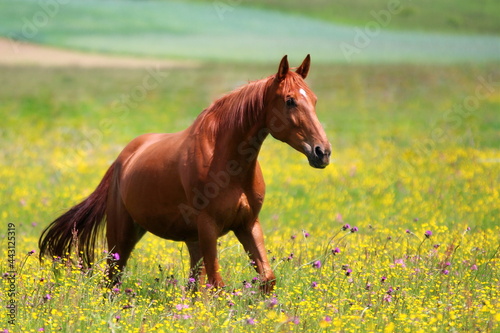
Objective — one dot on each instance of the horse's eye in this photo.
(290, 102)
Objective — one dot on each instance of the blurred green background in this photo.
(261, 31)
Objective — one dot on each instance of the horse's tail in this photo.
(79, 227)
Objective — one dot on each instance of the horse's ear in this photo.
(304, 67)
(283, 69)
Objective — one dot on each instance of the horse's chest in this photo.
(243, 208)
(240, 209)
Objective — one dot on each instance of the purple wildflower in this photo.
(116, 256)
(317, 264)
(348, 272)
(474, 267)
(354, 229)
(272, 302)
(400, 262)
(383, 278)
(314, 284)
(47, 297)
(346, 226)
(306, 234)
(428, 233)
(172, 281)
(328, 319)
(251, 321)
(445, 271)
(181, 306)
(336, 250)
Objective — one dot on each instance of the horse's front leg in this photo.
(208, 235)
(197, 271)
(252, 239)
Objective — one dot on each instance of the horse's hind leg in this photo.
(122, 234)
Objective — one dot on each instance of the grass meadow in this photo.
(399, 233)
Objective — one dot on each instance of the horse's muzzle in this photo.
(319, 157)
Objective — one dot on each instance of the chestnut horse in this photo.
(198, 184)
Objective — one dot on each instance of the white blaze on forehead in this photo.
(303, 92)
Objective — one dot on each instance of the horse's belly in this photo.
(170, 227)
(156, 206)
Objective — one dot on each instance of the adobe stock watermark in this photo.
(248, 151)
(364, 36)
(31, 26)
(223, 7)
(454, 117)
(10, 276)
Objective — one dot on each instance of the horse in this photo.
(198, 184)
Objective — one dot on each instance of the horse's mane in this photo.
(243, 106)
(238, 109)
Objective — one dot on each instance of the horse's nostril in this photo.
(319, 151)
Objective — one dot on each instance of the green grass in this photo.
(203, 31)
(400, 161)
(480, 17)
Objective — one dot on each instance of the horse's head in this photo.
(291, 115)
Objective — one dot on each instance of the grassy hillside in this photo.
(207, 31)
(461, 16)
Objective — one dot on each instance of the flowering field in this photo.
(401, 232)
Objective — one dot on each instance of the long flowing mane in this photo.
(237, 110)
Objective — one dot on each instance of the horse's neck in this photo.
(233, 127)
(242, 147)
(231, 147)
